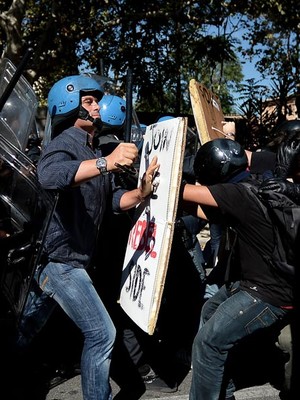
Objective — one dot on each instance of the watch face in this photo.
(101, 165)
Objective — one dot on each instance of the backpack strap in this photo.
(284, 216)
(253, 191)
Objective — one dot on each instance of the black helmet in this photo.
(288, 155)
(282, 132)
(218, 161)
(290, 125)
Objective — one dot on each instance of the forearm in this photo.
(198, 194)
(124, 154)
(131, 199)
(86, 171)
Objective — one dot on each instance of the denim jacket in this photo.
(73, 229)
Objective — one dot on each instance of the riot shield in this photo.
(18, 113)
(25, 210)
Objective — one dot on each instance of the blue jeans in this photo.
(210, 252)
(73, 290)
(226, 318)
(194, 225)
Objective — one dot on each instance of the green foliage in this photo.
(165, 43)
(273, 36)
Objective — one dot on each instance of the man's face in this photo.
(91, 104)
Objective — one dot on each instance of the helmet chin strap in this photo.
(84, 114)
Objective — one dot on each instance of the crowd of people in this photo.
(240, 303)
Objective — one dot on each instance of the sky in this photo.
(249, 68)
(250, 72)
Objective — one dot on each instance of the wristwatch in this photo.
(101, 164)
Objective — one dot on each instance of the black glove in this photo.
(282, 163)
(289, 189)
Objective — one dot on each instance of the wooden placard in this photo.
(207, 112)
(150, 238)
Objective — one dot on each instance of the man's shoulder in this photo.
(250, 184)
(251, 188)
(230, 195)
(70, 136)
(235, 198)
(73, 132)
(231, 188)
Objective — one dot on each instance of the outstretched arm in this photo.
(196, 195)
(124, 154)
(199, 194)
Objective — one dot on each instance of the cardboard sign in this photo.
(149, 242)
(207, 112)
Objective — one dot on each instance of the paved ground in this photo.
(71, 390)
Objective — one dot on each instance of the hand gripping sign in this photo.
(207, 112)
(150, 238)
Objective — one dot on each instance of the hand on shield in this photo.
(149, 181)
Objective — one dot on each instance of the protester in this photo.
(71, 166)
(254, 298)
(261, 167)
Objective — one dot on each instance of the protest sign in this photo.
(207, 112)
(150, 238)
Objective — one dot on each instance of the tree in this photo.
(273, 37)
(164, 42)
(53, 30)
(11, 25)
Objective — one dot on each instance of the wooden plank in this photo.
(207, 112)
(150, 239)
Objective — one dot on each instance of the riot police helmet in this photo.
(112, 111)
(64, 100)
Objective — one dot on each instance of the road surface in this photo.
(71, 390)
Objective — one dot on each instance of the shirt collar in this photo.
(239, 177)
(81, 136)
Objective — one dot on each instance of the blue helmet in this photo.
(165, 118)
(64, 96)
(112, 111)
